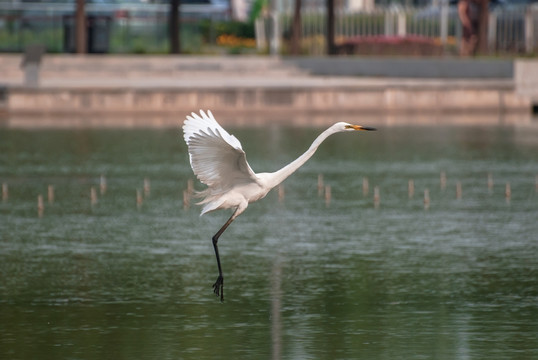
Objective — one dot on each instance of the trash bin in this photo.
(97, 34)
(68, 22)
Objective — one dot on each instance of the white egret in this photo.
(219, 162)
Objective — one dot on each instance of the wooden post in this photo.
(377, 198)
(365, 186)
(458, 190)
(93, 196)
(320, 185)
(507, 192)
(442, 180)
(411, 188)
(40, 205)
(186, 199)
(281, 193)
(102, 185)
(139, 198)
(426, 199)
(147, 187)
(5, 192)
(50, 194)
(190, 187)
(328, 195)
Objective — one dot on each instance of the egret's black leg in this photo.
(218, 286)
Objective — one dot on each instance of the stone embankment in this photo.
(150, 87)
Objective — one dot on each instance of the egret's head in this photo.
(349, 127)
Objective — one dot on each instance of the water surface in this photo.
(303, 279)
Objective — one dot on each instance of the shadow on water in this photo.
(304, 279)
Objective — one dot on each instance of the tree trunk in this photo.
(296, 30)
(173, 27)
(331, 48)
(81, 35)
(483, 19)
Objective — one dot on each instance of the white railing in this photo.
(511, 30)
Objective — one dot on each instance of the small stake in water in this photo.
(490, 183)
(40, 205)
(147, 187)
(426, 199)
(93, 196)
(186, 199)
(411, 188)
(102, 184)
(320, 185)
(281, 193)
(377, 198)
(328, 195)
(50, 193)
(442, 179)
(5, 192)
(139, 199)
(190, 187)
(507, 192)
(365, 186)
(458, 190)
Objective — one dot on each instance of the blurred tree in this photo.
(80, 24)
(174, 26)
(331, 48)
(296, 29)
(483, 27)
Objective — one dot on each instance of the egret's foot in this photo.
(218, 287)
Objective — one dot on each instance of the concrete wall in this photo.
(434, 99)
(526, 78)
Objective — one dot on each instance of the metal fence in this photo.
(512, 30)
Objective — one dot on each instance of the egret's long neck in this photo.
(281, 175)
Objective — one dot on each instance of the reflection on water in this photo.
(456, 281)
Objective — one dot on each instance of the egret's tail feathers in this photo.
(209, 201)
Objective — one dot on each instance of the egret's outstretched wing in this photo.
(216, 157)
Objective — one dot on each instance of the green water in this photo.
(303, 279)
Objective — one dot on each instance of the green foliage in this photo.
(237, 28)
(18, 40)
(256, 10)
(125, 38)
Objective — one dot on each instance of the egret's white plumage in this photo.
(218, 161)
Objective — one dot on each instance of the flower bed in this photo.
(390, 45)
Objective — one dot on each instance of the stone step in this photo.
(106, 67)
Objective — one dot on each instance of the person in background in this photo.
(469, 13)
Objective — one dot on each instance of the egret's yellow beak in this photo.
(360, 128)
